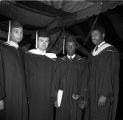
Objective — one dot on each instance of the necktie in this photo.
(70, 57)
(96, 48)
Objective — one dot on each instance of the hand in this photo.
(75, 97)
(102, 101)
(56, 104)
(82, 104)
(1, 104)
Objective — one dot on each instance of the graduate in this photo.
(12, 75)
(70, 83)
(104, 77)
(40, 68)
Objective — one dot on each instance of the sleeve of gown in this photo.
(27, 75)
(2, 89)
(110, 78)
(56, 79)
(115, 67)
(84, 77)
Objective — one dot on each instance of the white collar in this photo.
(13, 44)
(71, 56)
(39, 52)
(101, 44)
(98, 46)
(100, 49)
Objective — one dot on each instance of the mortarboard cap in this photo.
(71, 38)
(99, 28)
(43, 34)
(15, 24)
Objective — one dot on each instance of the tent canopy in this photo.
(50, 14)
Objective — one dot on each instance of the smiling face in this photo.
(16, 34)
(97, 37)
(43, 43)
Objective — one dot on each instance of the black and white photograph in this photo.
(61, 59)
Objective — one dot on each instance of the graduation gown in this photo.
(12, 83)
(71, 77)
(104, 81)
(40, 76)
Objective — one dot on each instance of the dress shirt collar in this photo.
(71, 56)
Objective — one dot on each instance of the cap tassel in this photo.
(36, 44)
(9, 31)
(64, 45)
(64, 32)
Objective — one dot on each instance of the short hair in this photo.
(99, 28)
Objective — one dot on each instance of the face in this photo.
(43, 43)
(70, 47)
(17, 34)
(96, 37)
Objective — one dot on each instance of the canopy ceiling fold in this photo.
(50, 14)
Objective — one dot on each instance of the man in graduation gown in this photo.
(104, 78)
(71, 79)
(12, 74)
(40, 67)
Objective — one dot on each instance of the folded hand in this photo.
(102, 101)
(75, 97)
(1, 104)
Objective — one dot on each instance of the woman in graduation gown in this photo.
(12, 87)
(40, 67)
